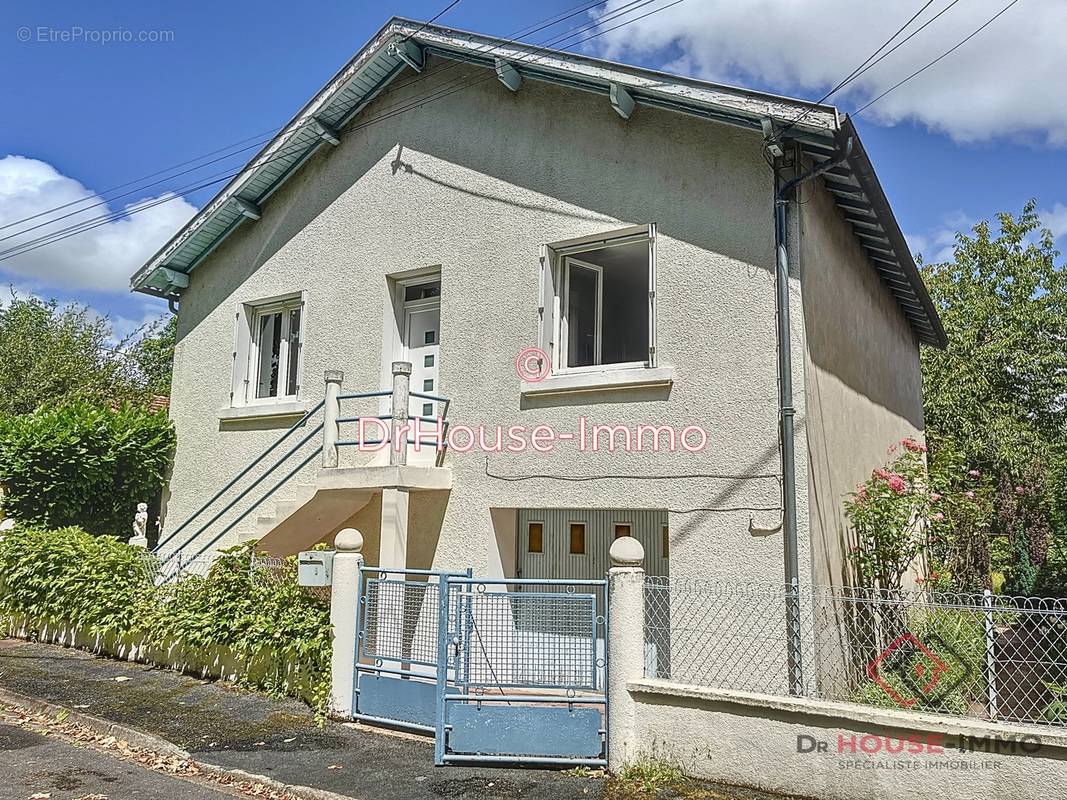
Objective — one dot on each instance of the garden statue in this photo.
(140, 526)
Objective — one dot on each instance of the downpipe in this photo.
(783, 195)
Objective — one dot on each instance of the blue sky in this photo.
(984, 131)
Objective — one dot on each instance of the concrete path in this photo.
(219, 725)
(279, 739)
(35, 765)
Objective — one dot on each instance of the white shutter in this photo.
(546, 335)
(652, 295)
(242, 342)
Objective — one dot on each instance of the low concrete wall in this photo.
(805, 747)
(214, 662)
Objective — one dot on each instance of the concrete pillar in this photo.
(344, 618)
(398, 441)
(331, 410)
(394, 537)
(625, 645)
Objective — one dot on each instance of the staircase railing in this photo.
(329, 429)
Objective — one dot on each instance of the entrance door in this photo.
(422, 344)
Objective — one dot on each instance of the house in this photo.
(449, 201)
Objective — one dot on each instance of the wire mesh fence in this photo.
(543, 636)
(162, 570)
(267, 570)
(400, 618)
(994, 657)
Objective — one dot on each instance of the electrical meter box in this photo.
(314, 568)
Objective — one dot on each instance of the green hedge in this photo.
(80, 464)
(103, 584)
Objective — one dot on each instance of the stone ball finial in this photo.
(626, 551)
(348, 540)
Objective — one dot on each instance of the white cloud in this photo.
(1055, 219)
(1006, 82)
(102, 258)
(938, 243)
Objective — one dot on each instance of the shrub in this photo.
(68, 575)
(80, 464)
(888, 513)
(103, 584)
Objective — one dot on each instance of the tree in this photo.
(154, 355)
(998, 389)
(995, 395)
(51, 354)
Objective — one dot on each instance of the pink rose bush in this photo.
(888, 513)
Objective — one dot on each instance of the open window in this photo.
(598, 301)
(267, 354)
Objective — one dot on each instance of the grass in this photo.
(648, 777)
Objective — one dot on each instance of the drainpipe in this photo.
(783, 192)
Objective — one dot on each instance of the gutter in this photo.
(783, 193)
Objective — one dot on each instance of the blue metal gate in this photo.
(397, 669)
(524, 672)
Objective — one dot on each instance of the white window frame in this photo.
(564, 322)
(246, 352)
(555, 285)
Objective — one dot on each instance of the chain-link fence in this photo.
(273, 570)
(160, 570)
(989, 656)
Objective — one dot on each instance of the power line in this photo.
(259, 141)
(860, 69)
(947, 53)
(86, 225)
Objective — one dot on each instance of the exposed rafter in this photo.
(410, 53)
(327, 132)
(247, 209)
(621, 100)
(508, 75)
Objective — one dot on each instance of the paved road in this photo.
(34, 764)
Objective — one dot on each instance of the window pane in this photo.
(581, 317)
(622, 529)
(294, 352)
(624, 310)
(423, 291)
(427, 361)
(536, 538)
(577, 538)
(427, 385)
(427, 409)
(270, 334)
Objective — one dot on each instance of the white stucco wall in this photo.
(474, 184)
(863, 382)
(752, 740)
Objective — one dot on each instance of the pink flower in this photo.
(935, 496)
(913, 446)
(969, 495)
(938, 517)
(882, 473)
(892, 449)
(897, 484)
(974, 473)
(1020, 490)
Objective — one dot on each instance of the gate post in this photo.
(344, 619)
(625, 645)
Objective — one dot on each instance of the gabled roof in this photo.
(403, 44)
